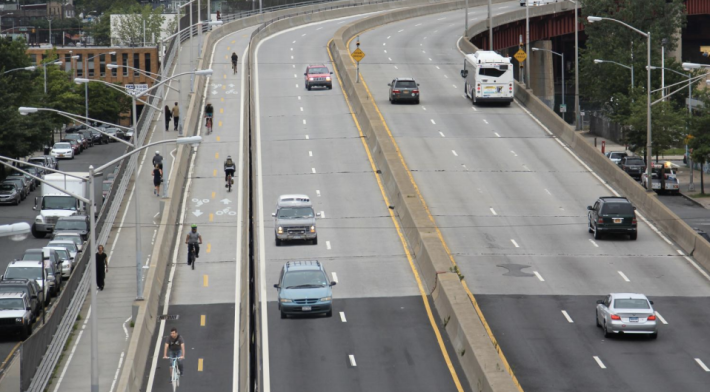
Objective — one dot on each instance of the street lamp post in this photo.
(30, 68)
(75, 117)
(562, 67)
(649, 133)
(44, 65)
(527, 43)
(597, 61)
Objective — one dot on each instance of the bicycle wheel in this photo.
(194, 259)
(229, 183)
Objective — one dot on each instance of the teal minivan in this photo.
(304, 288)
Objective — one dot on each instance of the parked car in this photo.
(99, 138)
(317, 76)
(63, 150)
(75, 145)
(72, 224)
(106, 188)
(74, 237)
(612, 215)
(86, 133)
(9, 194)
(35, 171)
(28, 270)
(404, 89)
(702, 233)
(20, 183)
(303, 288)
(115, 132)
(46, 160)
(128, 134)
(51, 262)
(65, 260)
(83, 144)
(28, 180)
(68, 244)
(663, 179)
(626, 313)
(30, 288)
(15, 314)
(633, 166)
(615, 156)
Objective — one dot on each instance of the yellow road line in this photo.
(213, 193)
(216, 155)
(233, 41)
(203, 320)
(205, 280)
(218, 136)
(228, 48)
(214, 173)
(219, 124)
(10, 355)
(438, 233)
(422, 292)
(199, 365)
(224, 87)
(211, 217)
(224, 77)
(221, 99)
(221, 110)
(209, 248)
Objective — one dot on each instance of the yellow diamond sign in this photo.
(520, 56)
(358, 55)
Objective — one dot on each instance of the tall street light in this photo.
(597, 61)
(562, 67)
(577, 111)
(30, 68)
(592, 19)
(136, 140)
(75, 117)
(44, 65)
(86, 86)
(16, 231)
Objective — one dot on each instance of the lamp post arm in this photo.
(619, 64)
(76, 117)
(628, 26)
(39, 167)
(137, 150)
(693, 80)
(678, 90)
(155, 86)
(85, 200)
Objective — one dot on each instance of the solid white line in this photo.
(352, 360)
(493, 211)
(432, 121)
(515, 243)
(442, 134)
(335, 277)
(702, 365)
(342, 317)
(125, 330)
(73, 350)
(599, 362)
(661, 318)
(593, 243)
(538, 276)
(118, 371)
(327, 245)
(454, 152)
(567, 316)
(623, 276)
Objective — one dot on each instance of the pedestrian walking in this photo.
(158, 160)
(157, 179)
(176, 115)
(168, 117)
(101, 267)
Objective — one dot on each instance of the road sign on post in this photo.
(563, 108)
(357, 55)
(520, 55)
(135, 89)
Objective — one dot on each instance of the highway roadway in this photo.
(511, 204)
(380, 337)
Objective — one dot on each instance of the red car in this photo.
(318, 76)
(76, 147)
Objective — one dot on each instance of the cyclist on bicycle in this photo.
(193, 241)
(176, 346)
(229, 169)
(209, 112)
(234, 61)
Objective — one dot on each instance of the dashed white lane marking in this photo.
(295, 76)
(455, 86)
(313, 169)
(593, 243)
(389, 58)
(385, 50)
(322, 214)
(310, 153)
(291, 57)
(304, 121)
(296, 85)
(442, 134)
(702, 365)
(661, 318)
(538, 276)
(430, 59)
(352, 360)
(526, 167)
(307, 137)
(599, 362)
(515, 243)
(437, 67)
(454, 152)
(400, 31)
(432, 121)
(418, 24)
(293, 65)
(335, 277)
(342, 317)
(493, 211)
(327, 245)
(299, 97)
(317, 193)
(303, 35)
(384, 44)
(319, 28)
(292, 49)
(423, 51)
(564, 312)
(514, 154)
(548, 192)
(497, 134)
(472, 107)
(388, 37)
(440, 19)
(301, 108)
(485, 121)
(423, 107)
(395, 67)
(623, 276)
(293, 42)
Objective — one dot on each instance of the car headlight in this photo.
(327, 78)
(310, 79)
(19, 320)
(313, 229)
(280, 230)
(284, 300)
(326, 299)
(50, 279)
(39, 219)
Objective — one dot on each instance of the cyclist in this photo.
(193, 241)
(209, 112)
(176, 345)
(234, 61)
(229, 169)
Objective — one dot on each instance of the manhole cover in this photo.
(515, 270)
(170, 317)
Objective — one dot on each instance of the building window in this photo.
(80, 66)
(147, 62)
(90, 60)
(124, 59)
(136, 63)
(33, 58)
(102, 65)
(113, 61)
(67, 62)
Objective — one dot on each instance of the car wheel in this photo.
(25, 333)
(654, 336)
(17, 202)
(634, 236)
(278, 242)
(597, 234)
(330, 87)
(36, 233)
(315, 241)
(284, 315)
(596, 318)
(308, 87)
(416, 102)
(607, 334)
(589, 225)
(329, 313)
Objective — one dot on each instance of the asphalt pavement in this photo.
(511, 204)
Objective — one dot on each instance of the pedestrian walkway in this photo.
(683, 173)
(115, 301)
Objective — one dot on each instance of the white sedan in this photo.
(626, 313)
(62, 151)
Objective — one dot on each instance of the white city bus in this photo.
(489, 77)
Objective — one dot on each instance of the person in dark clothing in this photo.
(168, 117)
(235, 58)
(157, 178)
(175, 346)
(101, 267)
(158, 160)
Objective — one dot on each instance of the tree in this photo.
(699, 141)
(105, 103)
(668, 125)
(139, 25)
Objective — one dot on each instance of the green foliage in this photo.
(700, 131)
(105, 103)
(668, 125)
(130, 30)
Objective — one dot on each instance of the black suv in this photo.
(31, 290)
(15, 314)
(404, 89)
(612, 215)
(633, 166)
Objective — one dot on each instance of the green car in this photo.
(612, 215)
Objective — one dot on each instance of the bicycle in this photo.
(191, 256)
(175, 373)
(209, 124)
(234, 67)
(229, 182)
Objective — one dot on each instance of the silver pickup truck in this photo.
(295, 219)
(664, 179)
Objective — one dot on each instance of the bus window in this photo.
(491, 72)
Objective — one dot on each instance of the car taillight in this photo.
(615, 317)
(395, 91)
(633, 221)
(600, 220)
(415, 91)
(651, 318)
(478, 87)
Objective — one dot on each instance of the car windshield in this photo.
(318, 70)
(6, 188)
(304, 279)
(62, 146)
(70, 225)
(14, 289)
(24, 273)
(73, 238)
(406, 84)
(11, 304)
(617, 209)
(72, 137)
(16, 181)
(618, 155)
(493, 72)
(68, 245)
(295, 212)
(62, 253)
(631, 304)
(58, 203)
(32, 256)
(635, 162)
(111, 130)
(107, 186)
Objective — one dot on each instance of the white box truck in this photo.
(54, 204)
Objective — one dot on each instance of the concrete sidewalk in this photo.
(683, 173)
(115, 301)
